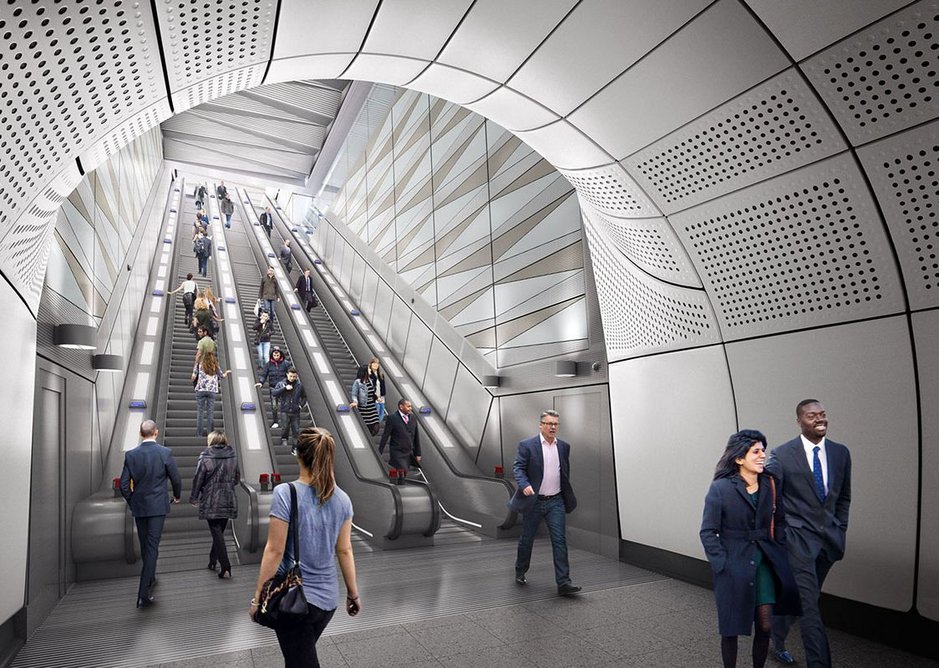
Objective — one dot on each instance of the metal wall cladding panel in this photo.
(496, 37)
(565, 146)
(441, 373)
(124, 134)
(397, 338)
(369, 292)
(873, 361)
(771, 129)
(333, 26)
(24, 251)
(593, 45)
(218, 86)
(925, 326)
(304, 95)
(805, 26)
(354, 288)
(884, 78)
(801, 250)
(714, 58)
(612, 190)
(650, 243)
(199, 44)
(265, 131)
(642, 315)
(469, 407)
(691, 395)
(386, 69)
(67, 81)
(904, 172)
(417, 350)
(427, 27)
(384, 300)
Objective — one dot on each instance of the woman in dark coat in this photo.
(213, 490)
(743, 533)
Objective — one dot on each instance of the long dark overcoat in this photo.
(213, 486)
(732, 530)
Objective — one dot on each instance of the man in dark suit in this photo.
(814, 481)
(401, 430)
(267, 221)
(143, 485)
(542, 471)
(304, 290)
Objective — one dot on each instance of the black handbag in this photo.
(282, 600)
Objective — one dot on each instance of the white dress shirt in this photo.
(822, 457)
(551, 481)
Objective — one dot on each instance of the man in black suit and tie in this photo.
(814, 481)
(401, 430)
(542, 471)
(267, 221)
(147, 468)
(304, 290)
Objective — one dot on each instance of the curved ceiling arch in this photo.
(695, 132)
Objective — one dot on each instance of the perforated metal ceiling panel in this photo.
(640, 314)
(805, 26)
(802, 250)
(773, 128)
(720, 54)
(71, 72)
(611, 190)
(650, 243)
(884, 78)
(125, 133)
(219, 86)
(904, 172)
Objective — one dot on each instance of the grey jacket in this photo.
(213, 486)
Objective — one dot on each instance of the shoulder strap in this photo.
(772, 518)
(293, 525)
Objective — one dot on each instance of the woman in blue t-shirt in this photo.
(324, 527)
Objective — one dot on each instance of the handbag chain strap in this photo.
(772, 518)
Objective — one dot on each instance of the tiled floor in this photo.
(454, 605)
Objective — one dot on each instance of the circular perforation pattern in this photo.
(637, 317)
(608, 190)
(642, 244)
(751, 138)
(68, 70)
(887, 78)
(915, 185)
(209, 37)
(223, 85)
(791, 256)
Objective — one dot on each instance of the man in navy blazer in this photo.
(542, 471)
(401, 430)
(814, 481)
(147, 468)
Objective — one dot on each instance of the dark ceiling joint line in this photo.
(643, 57)
(443, 46)
(78, 163)
(542, 42)
(270, 58)
(159, 39)
(364, 40)
(920, 453)
(16, 291)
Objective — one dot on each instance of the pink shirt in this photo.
(551, 482)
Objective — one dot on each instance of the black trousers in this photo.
(149, 532)
(298, 640)
(219, 553)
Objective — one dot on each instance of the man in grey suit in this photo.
(542, 470)
(143, 486)
(814, 481)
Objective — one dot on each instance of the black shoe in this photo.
(221, 573)
(153, 583)
(211, 566)
(145, 602)
(520, 578)
(783, 656)
(568, 589)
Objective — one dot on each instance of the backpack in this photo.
(200, 247)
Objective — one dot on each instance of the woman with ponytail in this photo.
(324, 528)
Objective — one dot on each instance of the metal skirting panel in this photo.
(197, 615)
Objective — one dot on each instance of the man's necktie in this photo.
(405, 418)
(817, 471)
(308, 285)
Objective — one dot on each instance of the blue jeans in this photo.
(291, 426)
(269, 305)
(380, 407)
(264, 352)
(227, 220)
(205, 412)
(552, 510)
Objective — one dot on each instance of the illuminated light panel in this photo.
(152, 323)
(335, 392)
(146, 354)
(321, 365)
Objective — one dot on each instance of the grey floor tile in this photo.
(242, 659)
(397, 649)
(442, 641)
(490, 657)
(367, 634)
(563, 649)
(625, 639)
(268, 655)
(682, 628)
(513, 623)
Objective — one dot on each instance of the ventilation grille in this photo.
(640, 315)
(69, 69)
(886, 78)
(802, 250)
(205, 40)
(611, 190)
(649, 243)
(772, 129)
(904, 171)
